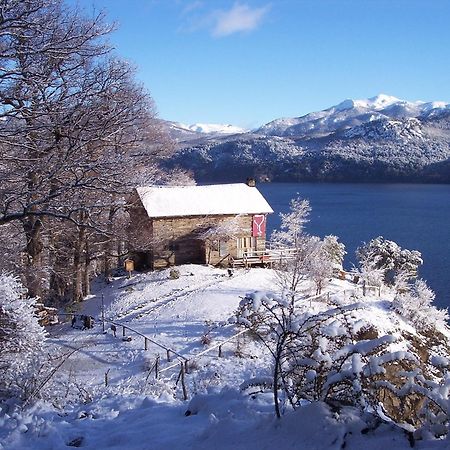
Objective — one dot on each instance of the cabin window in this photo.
(223, 248)
(214, 246)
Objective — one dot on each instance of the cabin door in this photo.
(189, 252)
(246, 244)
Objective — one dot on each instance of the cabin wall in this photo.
(140, 235)
(177, 240)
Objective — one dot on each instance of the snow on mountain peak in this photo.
(350, 113)
(378, 102)
(210, 128)
(381, 101)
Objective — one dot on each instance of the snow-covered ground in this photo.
(186, 315)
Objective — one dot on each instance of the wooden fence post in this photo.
(145, 344)
(156, 367)
(103, 313)
(123, 330)
(220, 351)
(168, 355)
(183, 384)
(106, 377)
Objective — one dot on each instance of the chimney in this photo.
(251, 182)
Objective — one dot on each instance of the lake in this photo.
(416, 216)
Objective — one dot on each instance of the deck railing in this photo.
(264, 257)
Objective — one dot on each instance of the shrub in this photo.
(21, 338)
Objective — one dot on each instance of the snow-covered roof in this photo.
(216, 199)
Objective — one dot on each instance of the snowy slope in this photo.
(135, 411)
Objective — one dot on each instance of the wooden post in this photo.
(168, 355)
(186, 366)
(328, 297)
(145, 344)
(106, 377)
(220, 351)
(156, 367)
(123, 330)
(183, 384)
(379, 291)
(103, 313)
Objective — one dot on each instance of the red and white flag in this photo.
(259, 225)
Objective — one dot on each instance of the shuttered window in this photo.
(245, 244)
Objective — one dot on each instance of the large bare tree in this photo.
(76, 130)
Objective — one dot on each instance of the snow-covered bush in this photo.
(335, 250)
(370, 274)
(340, 357)
(321, 264)
(21, 338)
(388, 256)
(414, 303)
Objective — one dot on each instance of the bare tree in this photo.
(76, 130)
(212, 233)
(294, 269)
(320, 265)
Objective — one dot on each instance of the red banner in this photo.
(259, 225)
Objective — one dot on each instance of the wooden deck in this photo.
(264, 258)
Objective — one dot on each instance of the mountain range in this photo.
(373, 140)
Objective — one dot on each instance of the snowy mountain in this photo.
(350, 113)
(185, 133)
(378, 139)
(212, 128)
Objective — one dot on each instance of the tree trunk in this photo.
(86, 269)
(109, 245)
(276, 374)
(33, 256)
(78, 260)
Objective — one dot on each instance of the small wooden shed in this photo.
(173, 225)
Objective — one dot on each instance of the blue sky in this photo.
(248, 62)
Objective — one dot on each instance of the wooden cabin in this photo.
(173, 225)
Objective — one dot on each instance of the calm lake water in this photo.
(416, 216)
